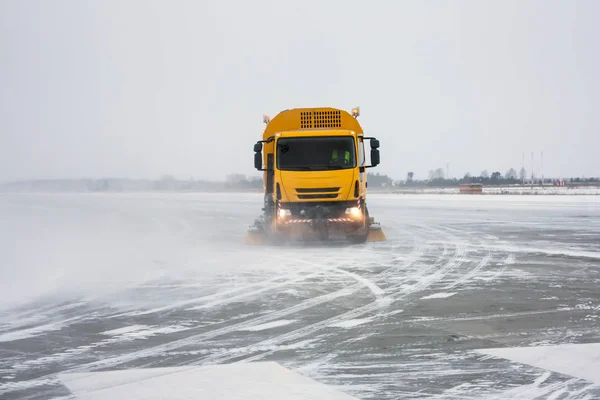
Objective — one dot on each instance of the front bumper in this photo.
(333, 217)
(326, 221)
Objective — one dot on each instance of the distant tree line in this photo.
(376, 180)
(511, 177)
(583, 180)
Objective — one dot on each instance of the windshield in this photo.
(315, 153)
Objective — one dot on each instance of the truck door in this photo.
(361, 163)
(270, 174)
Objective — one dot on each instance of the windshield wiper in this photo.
(329, 167)
(313, 167)
(298, 168)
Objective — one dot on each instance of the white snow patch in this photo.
(572, 252)
(351, 323)
(125, 330)
(577, 360)
(240, 381)
(35, 331)
(438, 296)
(396, 312)
(143, 331)
(269, 325)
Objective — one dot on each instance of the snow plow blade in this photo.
(255, 236)
(375, 234)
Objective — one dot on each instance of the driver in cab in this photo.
(340, 158)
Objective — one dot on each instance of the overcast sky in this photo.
(139, 89)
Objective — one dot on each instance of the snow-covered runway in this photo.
(94, 282)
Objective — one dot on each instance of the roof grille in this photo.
(317, 190)
(320, 119)
(317, 196)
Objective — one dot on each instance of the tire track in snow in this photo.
(510, 259)
(277, 281)
(457, 259)
(535, 389)
(220, 297)
(419, 320)
(484, 261)
(424, 280)
(370, 284)
(414, 257)
(422, 283)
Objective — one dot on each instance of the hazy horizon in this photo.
(141, 89)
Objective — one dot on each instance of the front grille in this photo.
(320, 119)
(317, 196)
(317, 190)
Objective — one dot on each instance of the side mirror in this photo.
(374, 144)
(258, 161)
(374, 157)
(257, 147)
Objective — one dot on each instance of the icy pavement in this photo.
(471, 296)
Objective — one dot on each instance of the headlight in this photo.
(284, 213)
(353, 211)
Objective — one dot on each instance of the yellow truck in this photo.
(315, 180)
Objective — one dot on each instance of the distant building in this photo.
(471, 188)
